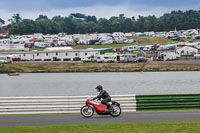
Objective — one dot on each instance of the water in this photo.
(76, 84)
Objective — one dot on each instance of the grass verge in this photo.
(41, 67)
(169, 127)
(142, 41)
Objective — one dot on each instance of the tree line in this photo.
(77, 23)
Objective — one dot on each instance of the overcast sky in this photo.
(31, 9)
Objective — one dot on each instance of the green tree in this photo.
(140, 24)
(104, 26)
(17, 29)
(43, 26)
(15, 18)
(91, 18)
(126, 25)
(150, 23)
(29, 26)
(91, 27)
(121, 16)
(116, 26)
(80, 23)
(42, 17)
(2, 21)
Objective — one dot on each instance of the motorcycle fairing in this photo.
(100, 108)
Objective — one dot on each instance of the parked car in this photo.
(142, 59)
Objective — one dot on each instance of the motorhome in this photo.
(127, 57)
(5, 59)
(106, 58)
(167, 56)
(87, 58)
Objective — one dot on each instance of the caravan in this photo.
(106, 58)
(5, 59)
(166, 56)
(127, 58)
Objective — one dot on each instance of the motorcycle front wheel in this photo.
(87, 111)
(115, 110)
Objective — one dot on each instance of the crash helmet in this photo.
(99, 87)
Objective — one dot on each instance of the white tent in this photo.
(186, 50)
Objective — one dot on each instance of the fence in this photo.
(56, 104)
(166, 102)
(73, 104)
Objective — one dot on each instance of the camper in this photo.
(166, 56)
(120, 58)
(106, 58)
(88, 58)
(5, 59)
(127, 58)
(113, 58)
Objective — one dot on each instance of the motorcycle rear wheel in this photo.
(115, 110)
(87, 111)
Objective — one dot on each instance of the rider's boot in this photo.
(108, 110)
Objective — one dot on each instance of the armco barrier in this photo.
(56, 104)
(73, 104)
(164, 102)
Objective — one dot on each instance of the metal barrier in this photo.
(165, 102)
(73, 104)
(56, 104)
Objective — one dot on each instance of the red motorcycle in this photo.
(101, 109)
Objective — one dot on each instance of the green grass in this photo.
(170, 127)
(38, 49)
(13, 68)
(35, 67)
(102, 46)
(142, 41)
(6, 51)
(153, 40)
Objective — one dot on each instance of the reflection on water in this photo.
(75, 84)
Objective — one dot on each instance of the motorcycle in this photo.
(96, 106)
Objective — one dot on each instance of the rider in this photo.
(104, 95)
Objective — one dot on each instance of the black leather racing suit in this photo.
(105, 96)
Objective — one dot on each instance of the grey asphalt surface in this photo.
(77, 119)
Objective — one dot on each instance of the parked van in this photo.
(5, 59)
(127, 58)
(166, 56)
(130, 58)
(87, 58)
(106, 58)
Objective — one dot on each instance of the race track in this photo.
(77, 119)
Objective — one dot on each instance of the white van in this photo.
(5, 59)
(87, 58)
(106, 58)
(167, 56)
